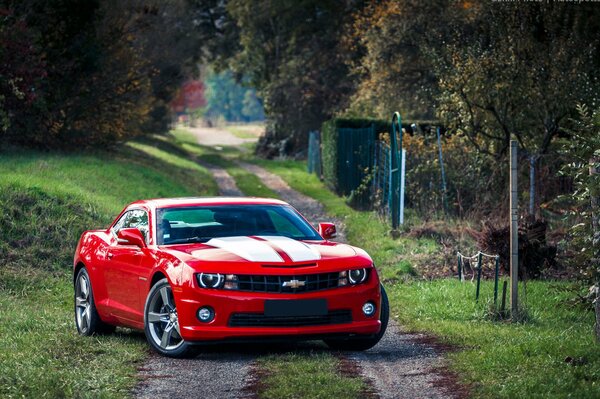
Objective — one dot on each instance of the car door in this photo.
(126, 265)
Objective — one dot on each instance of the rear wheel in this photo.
(364, 343)
(161, 323)
(87, 320)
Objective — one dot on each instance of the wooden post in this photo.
(514, 231)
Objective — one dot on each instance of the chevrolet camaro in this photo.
(190, 271)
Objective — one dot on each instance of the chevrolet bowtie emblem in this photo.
(294, 283)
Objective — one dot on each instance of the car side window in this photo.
(135, 218)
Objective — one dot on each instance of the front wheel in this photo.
(161, 323)
(364, 343)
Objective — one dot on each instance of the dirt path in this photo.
(225, 182)
(214, 136)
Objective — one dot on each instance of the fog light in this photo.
(206, 314)
(368, 309)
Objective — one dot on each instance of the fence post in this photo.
(460, 275)
(496, 280)
(444, 190)
(396, 167)
(479, 255)
(514, 231)
(402, 183)
(311, 148)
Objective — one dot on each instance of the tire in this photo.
(161, 323)
(87, 320)
(364, 343)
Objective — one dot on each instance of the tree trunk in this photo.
(595, 202)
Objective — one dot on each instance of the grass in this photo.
(47, 200)
(551, 355)
(309, 375)
(250, 131)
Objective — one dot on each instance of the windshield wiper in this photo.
(188, 240)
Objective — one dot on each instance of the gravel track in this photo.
(225, 182)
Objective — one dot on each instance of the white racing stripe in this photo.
(296, 250)
(247, 248)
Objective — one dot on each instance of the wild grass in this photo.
(551, 355)
(309, 375)
(47, 200)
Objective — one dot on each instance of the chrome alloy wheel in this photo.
(162, 319)
(83, 306)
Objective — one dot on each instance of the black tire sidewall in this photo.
(185, 350)
(94, 322)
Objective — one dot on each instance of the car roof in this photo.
(199, 201)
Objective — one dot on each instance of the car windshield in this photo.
(201, 223)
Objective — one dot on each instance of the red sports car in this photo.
(195, 270)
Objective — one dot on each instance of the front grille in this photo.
(260, 320)
(312, 282)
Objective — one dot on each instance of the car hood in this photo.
(262, 249)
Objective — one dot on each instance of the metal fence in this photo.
(369, 171)
(314, 153)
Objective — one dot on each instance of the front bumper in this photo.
(226, 303)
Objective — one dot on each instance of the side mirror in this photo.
(131, 236)
(327, 230)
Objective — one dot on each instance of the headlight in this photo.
(357, 276)
(211, 280)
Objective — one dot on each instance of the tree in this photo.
(583, 149)
(390, 41)
(290, 52)
(517, 70)
(88, 73)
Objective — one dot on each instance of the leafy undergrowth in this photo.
(47, 201)
(306, 375)
(552, 355)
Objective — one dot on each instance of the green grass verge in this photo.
(246, 131)
(47, 200)
(552, 355)
(306, 375)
